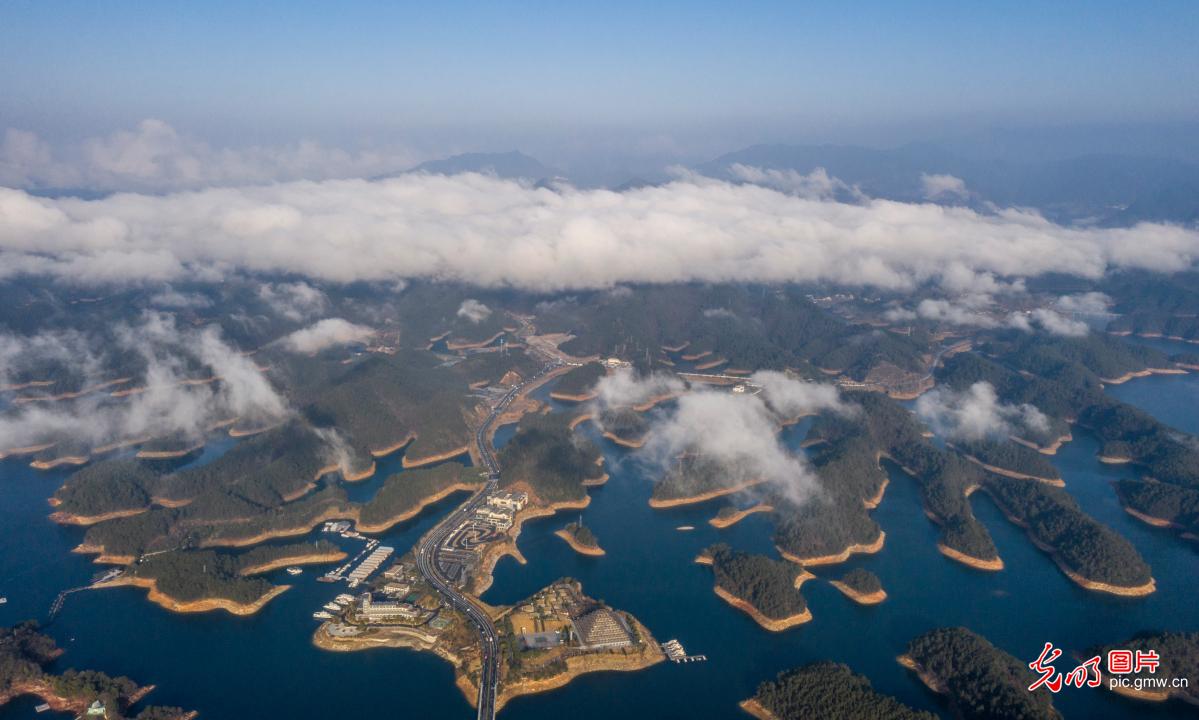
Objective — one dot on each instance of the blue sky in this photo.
(440, 70)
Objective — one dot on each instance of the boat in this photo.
(332, 607)
(328, 578)
(41, 708)
(3, 600)
(293, 570)
(322, 615)
(344, 598)
(685, 528)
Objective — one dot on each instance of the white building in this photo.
(508, 500)
(375, 610)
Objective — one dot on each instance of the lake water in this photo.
(265, 666)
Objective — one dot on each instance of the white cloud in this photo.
(940, 186)
(791, 398)
(295, 301)
(327, 333)
(1057, 324)
(498, 233)
(737, 431)
(623, 388)
(977, 413)
(474, 311)
(816, 185)
(171, 298)
(154, 157)
(1091, 303)
(170, 403)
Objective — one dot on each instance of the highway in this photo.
(432, 543)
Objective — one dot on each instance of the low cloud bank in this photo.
(977, 414)
(171, 403)
(154, 157)
(498, 233)
(975, 310)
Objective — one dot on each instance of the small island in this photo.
(861, 586)
(24, 654)
(765, 589)
(580, 538)
(826, 691)
(978, 679)
(730, 515)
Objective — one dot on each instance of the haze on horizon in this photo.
(604, 94)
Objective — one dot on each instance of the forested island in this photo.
(203, 580)
(861, 586)
(825, 691)
(24, 653)
(1090, 554)
(581, 539)
(977, 679)
(765, 589)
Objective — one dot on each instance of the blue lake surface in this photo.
(265, 666)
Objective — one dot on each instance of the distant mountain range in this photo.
(511, 165)
(1109, 190)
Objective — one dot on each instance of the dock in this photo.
(677, 654)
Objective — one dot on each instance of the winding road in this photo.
(432, 543)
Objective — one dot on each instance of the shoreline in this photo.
(590, 550)
(409, 463)
(873, 598)
(1151, 520)
(1013, 474)
(932, 682)
(194, 606)
(631, 444)
(1050, 449)
(421, 504)
(771, 624)
(278, 563)
(568, 397)
(994, 565)
(703, 497)
(872, 502)
(66, 518)
(838, 557)
(729, 520)
(1140, 374)
(755, 709)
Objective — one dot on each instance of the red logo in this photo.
(1085, 674)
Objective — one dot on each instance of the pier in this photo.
(676, 654)
(61, 598)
